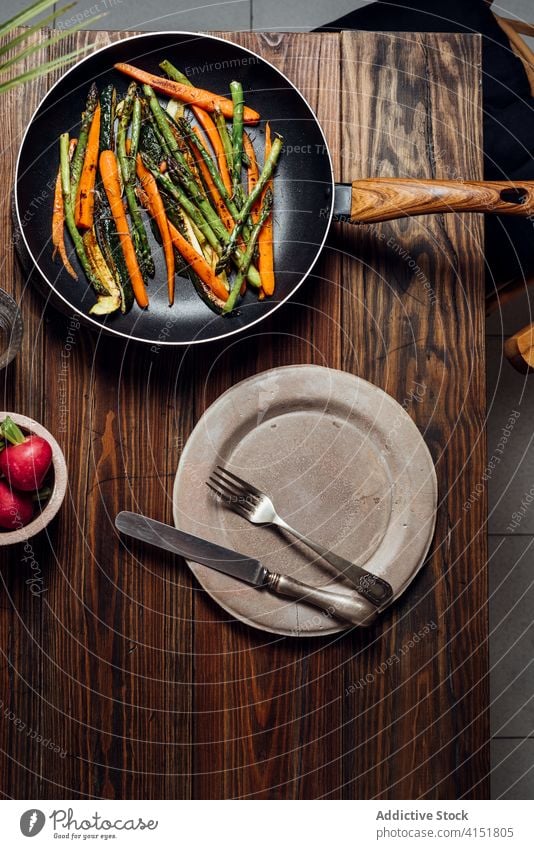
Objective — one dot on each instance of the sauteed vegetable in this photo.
(209, 204)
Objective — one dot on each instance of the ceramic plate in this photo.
(343, 462)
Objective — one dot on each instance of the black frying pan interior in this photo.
(303, 184)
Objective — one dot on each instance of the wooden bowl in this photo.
(44, 513)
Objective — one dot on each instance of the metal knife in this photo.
(350, 608)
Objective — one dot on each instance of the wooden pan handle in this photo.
(519, 349)
(387, 198)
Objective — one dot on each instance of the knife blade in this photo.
(349, 607)
(199, 550)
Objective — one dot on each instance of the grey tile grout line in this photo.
(497, 534)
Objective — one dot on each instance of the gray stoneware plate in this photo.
(343, 462)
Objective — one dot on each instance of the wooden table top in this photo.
(126, 682)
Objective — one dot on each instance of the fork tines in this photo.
(235, 492)
(243, 484)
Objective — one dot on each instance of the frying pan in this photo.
(306, 197)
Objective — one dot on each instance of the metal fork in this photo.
(255, 506)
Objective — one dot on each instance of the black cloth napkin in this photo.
(508, 109)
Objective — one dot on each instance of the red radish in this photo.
(16, 508)
(26, 461)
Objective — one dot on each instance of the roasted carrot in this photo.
(157, 211)
(198, 263)
(85, 195)
(58, 221)
(207, 100)
(208, 125)
(142, 197)
(265, 239)
(109, 172)
(214, 193)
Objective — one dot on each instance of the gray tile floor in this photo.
(510, 399)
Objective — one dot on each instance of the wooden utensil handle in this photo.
(386, 198)
(519, 349)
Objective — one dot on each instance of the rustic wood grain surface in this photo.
(122, 679)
